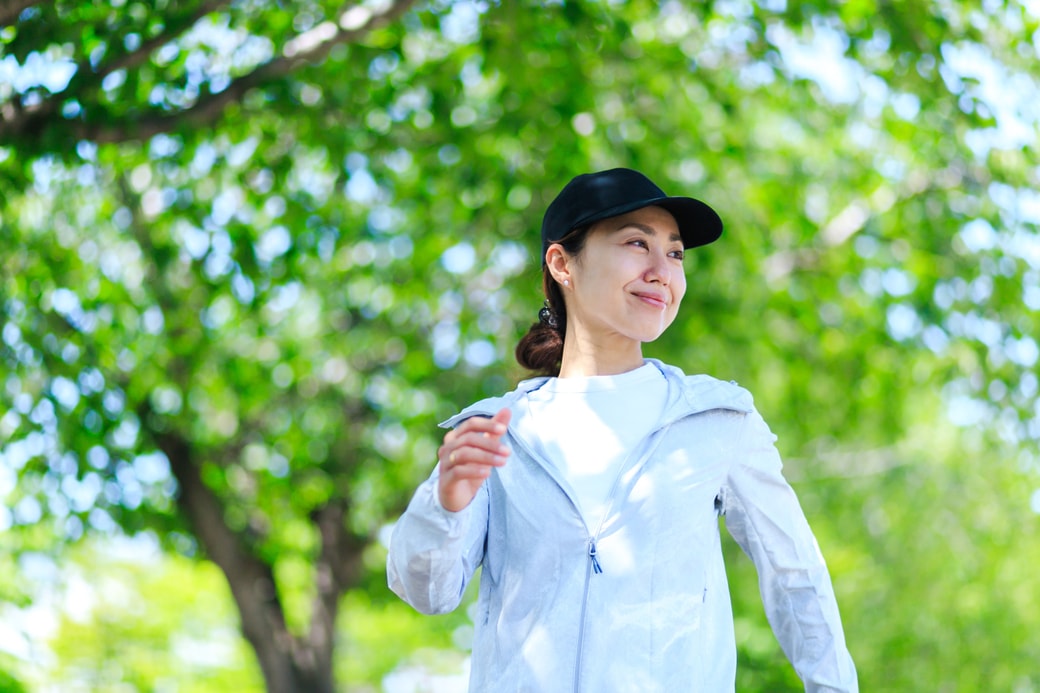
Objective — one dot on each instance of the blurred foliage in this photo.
(930, 543)
(8, 682)
(133, 618)
(129, 616)
(257, 251)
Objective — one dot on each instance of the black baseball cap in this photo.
(591, 197)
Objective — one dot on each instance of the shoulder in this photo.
(702, 391)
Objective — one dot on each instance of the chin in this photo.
(648, 336)
(645, 329)
(651, 333)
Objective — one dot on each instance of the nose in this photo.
(657, 270)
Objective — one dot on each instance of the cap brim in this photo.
(698, 223)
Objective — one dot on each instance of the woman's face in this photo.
(628, 281)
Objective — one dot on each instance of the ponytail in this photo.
(541, 349)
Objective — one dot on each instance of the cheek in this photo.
(679, 287)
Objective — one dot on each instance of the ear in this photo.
(559, 263)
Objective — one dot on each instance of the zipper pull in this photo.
(595, 562)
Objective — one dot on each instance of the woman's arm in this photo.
(439, 541)
(434, 552)
(764, 516)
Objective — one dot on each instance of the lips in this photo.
(652, 298)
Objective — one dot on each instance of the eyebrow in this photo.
(648, 230)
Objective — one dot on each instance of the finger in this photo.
(475, 455)
(462, 472)
(480, 444)
(480, 433)
(444, 451)
(495, 425)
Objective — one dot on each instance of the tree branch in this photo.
(135, 58)
(854, 217)
(15, 118)
(313, 45)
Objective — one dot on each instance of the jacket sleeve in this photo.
(765, 518)
(434, 552)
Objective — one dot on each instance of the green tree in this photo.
(252, 253)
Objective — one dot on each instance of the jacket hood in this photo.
(687, 395)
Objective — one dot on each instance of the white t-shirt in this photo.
(588, 426)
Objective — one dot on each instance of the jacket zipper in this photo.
(581, 621)
(592, 554)
(593, 566)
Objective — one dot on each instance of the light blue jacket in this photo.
(640, 603)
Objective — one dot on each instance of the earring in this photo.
(566, 282)
(546, 315)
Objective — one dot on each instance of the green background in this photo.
(251, 253)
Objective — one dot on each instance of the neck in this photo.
(583, 357)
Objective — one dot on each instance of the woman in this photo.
(590, 497)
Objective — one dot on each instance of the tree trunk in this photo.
(289, 664)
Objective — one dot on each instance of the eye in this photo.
(678, 254)
(638, 242)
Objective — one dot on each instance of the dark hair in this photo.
(541, 349)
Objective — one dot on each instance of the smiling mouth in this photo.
(652, 300)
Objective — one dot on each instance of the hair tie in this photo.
(546, 315)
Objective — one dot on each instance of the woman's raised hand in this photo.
(467, 456)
